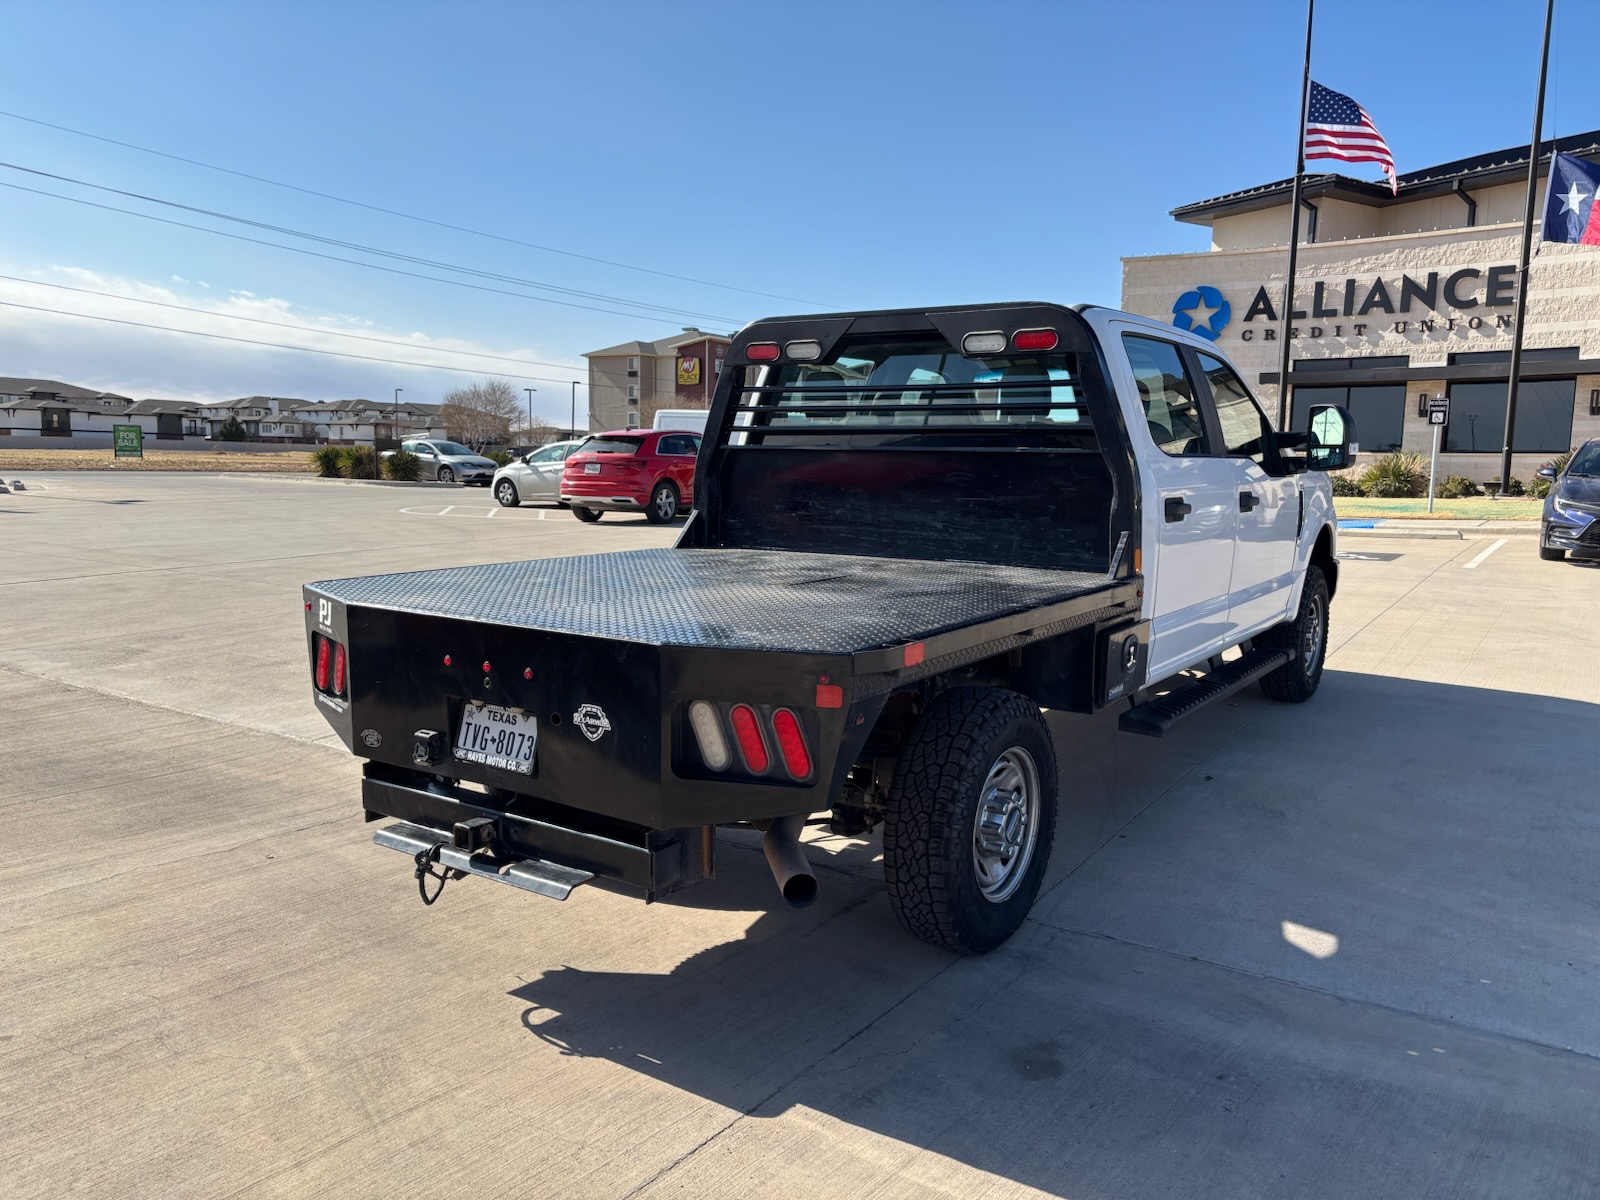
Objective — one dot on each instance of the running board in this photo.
(530, 874)
(1159, 715)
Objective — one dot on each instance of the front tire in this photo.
(663, 506)
(1296, 681)
(587, 515)
(446, 475)
(506, 492)
(971, 818)
(1549, 553)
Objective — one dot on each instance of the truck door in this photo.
(1268, 501)
(1192, 508)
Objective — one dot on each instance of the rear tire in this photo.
(970, 819)
(506, 492)
(1296, 682)
(663, 506)
(586, 515)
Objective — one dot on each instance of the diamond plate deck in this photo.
(724, 599)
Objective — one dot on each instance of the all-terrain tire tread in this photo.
(1289, 682)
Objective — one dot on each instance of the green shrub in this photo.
(1538, 488)
(1454, 487)
(1400, 474)
(1344, 485)
(231, 430)
(360, 462)
(1513, 487)
(402, 465)
(500, 457)
(329, 461)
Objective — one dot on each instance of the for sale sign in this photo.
(128, 441)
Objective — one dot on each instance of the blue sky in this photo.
(827, 155)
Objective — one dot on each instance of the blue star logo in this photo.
(1202, 311)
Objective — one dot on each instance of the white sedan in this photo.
(534, 476)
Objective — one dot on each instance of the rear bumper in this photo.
(654, 861)
(605, 503)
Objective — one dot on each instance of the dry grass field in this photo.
(288, 462)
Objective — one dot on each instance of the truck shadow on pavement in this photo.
(1154, 1027)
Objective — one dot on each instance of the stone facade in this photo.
(1563, 302)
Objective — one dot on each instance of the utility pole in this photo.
(572, 417)
(394, 416)
(530, 392)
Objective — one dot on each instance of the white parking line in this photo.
(1483, 554)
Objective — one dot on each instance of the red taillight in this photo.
(792, 743)
(747, 729)
(323, 653)
(1034, 339)
(338, 669)
(762, 351)
(830, 695)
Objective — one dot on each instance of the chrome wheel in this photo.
(664, 504)
(1316, 624)
(446, 475)
(1007, 824)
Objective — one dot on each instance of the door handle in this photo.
(1177, 508)
(1248, 500)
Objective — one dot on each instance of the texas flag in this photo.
(1570, 211)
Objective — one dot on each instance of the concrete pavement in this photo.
(1347, 948)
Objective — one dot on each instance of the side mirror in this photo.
(1331, 445)
(1546, 472)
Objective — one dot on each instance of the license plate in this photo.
(497, 737)
(591, 468)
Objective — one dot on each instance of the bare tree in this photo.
(480, 413)
(540, 433)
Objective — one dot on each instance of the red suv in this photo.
(632, 470)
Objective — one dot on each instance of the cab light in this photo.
(747, 729)
(792, 743)
(975, 344)
(338, 669)
(762, 352)
(714, 751)
(322, 664)
(804, 351)
(1034, 339)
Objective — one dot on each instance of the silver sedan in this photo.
(534, 476)
(451, 462)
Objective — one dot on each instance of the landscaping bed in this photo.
(288, 462)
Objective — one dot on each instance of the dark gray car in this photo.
(1571, 522)
(451, 462)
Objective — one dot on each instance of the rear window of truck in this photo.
(913, 390)
(603, 445)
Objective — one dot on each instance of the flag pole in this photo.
(1294, 228)
(1527, 247)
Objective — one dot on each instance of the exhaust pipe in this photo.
(796, 880)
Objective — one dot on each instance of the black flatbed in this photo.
(730, 599)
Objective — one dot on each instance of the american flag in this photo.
(1338, 127)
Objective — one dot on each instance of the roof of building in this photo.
(658, 348)
(61, 391)
(155, 407)
(1483, 170)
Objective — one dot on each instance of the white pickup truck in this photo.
(913, 530)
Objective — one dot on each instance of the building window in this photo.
(633, 366)
(55, 422)
(1503, 358)
(1316, 366)
(1379, 410)
(633, 420)
(633, 393)
(1478, 417)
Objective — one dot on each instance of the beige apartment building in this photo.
(628, 383)
(1399, 299)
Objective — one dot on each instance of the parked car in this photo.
(631, 470)
(451, 462)
(1571, 522)
(535, 475)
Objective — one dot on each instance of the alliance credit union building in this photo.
(1399, 298)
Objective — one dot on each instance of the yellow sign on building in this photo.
(689, 369)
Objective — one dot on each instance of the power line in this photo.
(206, 312)
(364, 249)
(195, 162)
(223, 337)
(237, 237)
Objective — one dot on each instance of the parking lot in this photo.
(1350, 948)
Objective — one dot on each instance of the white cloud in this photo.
(137, 361)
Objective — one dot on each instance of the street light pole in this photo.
(530, 392)
(572, 417)
(394, 416)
